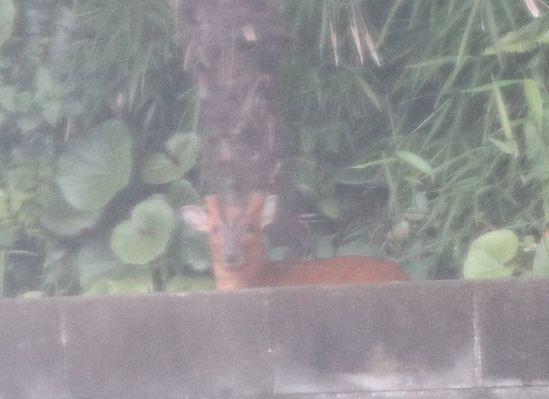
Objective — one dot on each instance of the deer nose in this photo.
(232, 259)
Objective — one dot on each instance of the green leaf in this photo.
(507, 147)
(7, 17)
(364, 86)
(5, 205)
(128, 285)
(8, 235)
(535, 103)
(95, 262)
(23, 102)
(182, 151)
(194, 250)
(367, 89)
(146, 234)
(525, 39)
(58, 216)
(131, 285)
(324, 248)
(503, 115)
(157, 168)
(490, 86)
(503, 244)
(28, 124)
(306, 173)
(185, 148)
(491, 25)
(7, 97)
(308, 135)
(541, 259)
(377, 162)
(95, 166)
(187, 283)
(480, 264)
(330, 207)
(46, 86)
(51, 109)
(356, 248)
(417, 162)
(181, 192)
(534, 145)
(355, 177)
(491, 255)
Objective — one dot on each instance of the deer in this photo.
(240, 260)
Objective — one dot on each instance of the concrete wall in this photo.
(397, 340)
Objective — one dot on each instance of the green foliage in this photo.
(457, 139)
(540, 266)
(178, 284)
(62, 219)
(180, 154)
(97, 263)
(491, 254)
(181, 192)
(129, 285)
(121, 48)
(95, 166)
(7, 15)
(82, 106)
(145, 235)
(414, 127)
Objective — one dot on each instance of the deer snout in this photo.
(232, 259)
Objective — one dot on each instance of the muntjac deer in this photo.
(240, 260)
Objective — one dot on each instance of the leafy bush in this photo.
(413, 129)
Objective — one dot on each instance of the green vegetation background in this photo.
(414, 128)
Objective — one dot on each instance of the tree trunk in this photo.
(233, 48)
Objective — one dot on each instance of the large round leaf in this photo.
(180, 155)
(491, 255)
(7, 16)
(61, 218)
(95, 166)
(97, 262)
(146, 234)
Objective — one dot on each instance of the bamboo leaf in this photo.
(417, 162)
(490, 86)
(7, 17)
(535, 103)
(503, 114)
(490, 19)
(508, 147)
(377, 162)
(367, 89)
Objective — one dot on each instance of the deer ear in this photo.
(269, 210)
(195, 217)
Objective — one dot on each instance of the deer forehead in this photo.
(235, 215)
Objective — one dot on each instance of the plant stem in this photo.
(156, 274)
(2, 272)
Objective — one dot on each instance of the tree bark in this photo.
(233, 48)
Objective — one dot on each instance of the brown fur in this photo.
(255, 270)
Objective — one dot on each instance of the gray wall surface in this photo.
(406, 340)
